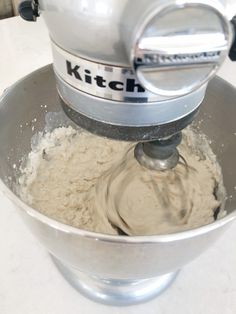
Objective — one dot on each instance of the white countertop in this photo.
(30, 283)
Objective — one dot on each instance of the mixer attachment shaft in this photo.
(161, 154)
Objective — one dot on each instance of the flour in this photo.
(96, 184)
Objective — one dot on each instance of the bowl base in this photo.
(114, 291)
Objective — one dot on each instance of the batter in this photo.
(96, 184)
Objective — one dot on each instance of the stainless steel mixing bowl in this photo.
(111, 269)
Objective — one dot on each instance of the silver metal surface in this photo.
(95, 29)
(110, 110)
(130, 258)
(91, 96)
(176, 47)
(128, 133)
(115, 292)
(69, 26)
(100, 80)
(129, 113)
(154, 163)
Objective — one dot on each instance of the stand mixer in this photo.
(135, 70)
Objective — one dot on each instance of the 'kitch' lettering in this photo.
(129, 85)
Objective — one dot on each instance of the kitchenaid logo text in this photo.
(171, 60)
(85, 75)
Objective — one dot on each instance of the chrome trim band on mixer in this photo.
(100, 80)
(132, 114)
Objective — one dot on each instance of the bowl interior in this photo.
(33, 104)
